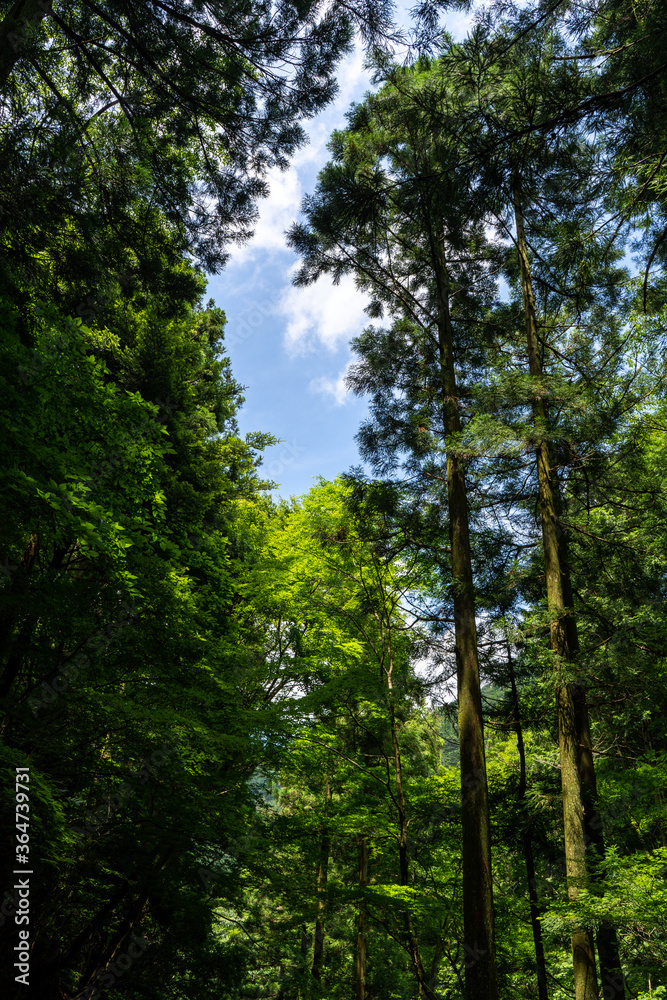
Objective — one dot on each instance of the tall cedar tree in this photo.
(393, 209)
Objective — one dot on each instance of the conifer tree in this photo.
(410, 234)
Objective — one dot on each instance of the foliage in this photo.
(238, 715)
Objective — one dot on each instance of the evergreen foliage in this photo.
(402, 737)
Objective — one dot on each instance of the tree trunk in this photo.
(360, 990)
(302, 971)
(303, 948)
(583, 956)
(611, 975)
(563, 638)
(16, 27)
(409, 934)
(13, 649)
(528, 843)
(478, 919)
(323, 864)
(99, 963)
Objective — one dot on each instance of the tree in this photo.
(204, 98)
(364, 746)
(551, 180)
(121, 682)
(410, 234)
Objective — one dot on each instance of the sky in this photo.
(289, 346)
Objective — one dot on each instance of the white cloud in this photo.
(281, 208)
(276, 214)
(286, 189)
(334, 388)
(353, 82)
(322, 313)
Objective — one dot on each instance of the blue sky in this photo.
(289, 346)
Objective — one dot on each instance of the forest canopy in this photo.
(400, 738)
